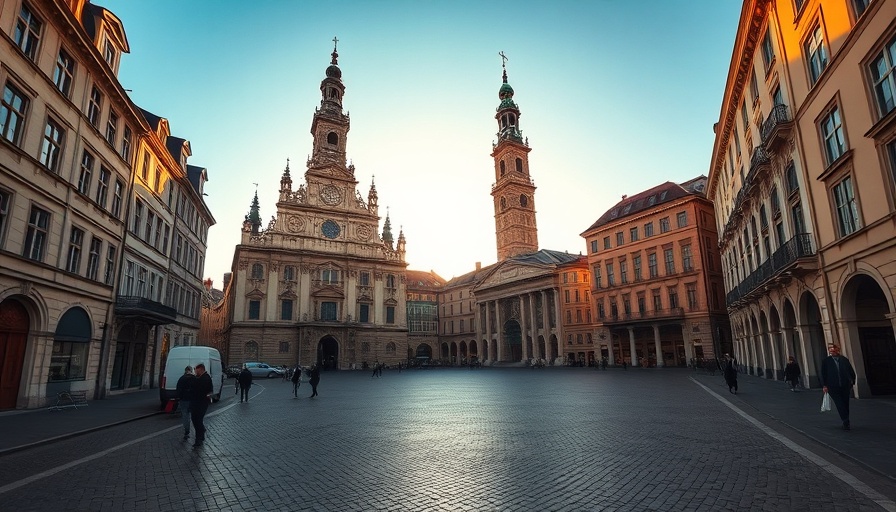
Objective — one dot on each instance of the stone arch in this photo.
(513, 340)
(779, 350)
(812, 333)
(327, 357)
(868, 334)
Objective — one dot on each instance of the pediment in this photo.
(328, 292)
(255, 294)
(510, 272)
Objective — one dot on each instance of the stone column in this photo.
(523, 327)
(610, 352)
(534, 324)
(631, 343)
(660, 362)
(488, 330)
(546, 328)
(499, 328)
(560, 335)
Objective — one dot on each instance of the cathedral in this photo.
(319, 284)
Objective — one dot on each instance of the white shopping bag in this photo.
(826, 403)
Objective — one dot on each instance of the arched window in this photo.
(519, 165)
(289, 273)
(332, 138)
(501, 165)
(257, 271)
(390, 348)
(776, 202)
(390, 281)
(365, 347)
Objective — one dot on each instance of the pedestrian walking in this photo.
(315, 378)
(376, 369)
(296, 381)
(792, 373)
(730, 373)
(202, 395)
(184, 395)
(245, 380)
(837, 379)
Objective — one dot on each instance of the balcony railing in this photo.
(797, 247)
(778, 121)
(149, 311)
(643, 316)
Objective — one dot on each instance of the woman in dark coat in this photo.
(315, 378)
(730, 373)
(792, 373)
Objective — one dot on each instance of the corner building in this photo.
(319, 285)
(802, 176)
(657, 279)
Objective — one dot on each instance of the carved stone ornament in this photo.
(295, 223)
(364, 232)
(243, 264)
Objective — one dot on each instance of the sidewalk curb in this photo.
(42, 442)
(819, 442)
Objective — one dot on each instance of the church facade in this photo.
(319, 284)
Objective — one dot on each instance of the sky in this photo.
(615, 97)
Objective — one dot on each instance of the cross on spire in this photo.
(334, 61)
(503, 64)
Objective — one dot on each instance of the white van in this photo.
(181, 357)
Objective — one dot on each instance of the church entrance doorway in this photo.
(328, 353)
(513, 337)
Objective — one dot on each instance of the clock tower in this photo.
(513, 193)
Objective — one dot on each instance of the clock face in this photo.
(330, 195)
(330, 229)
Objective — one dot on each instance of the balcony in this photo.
(776, 128)
(797, 252)
(145, 310)
(643, 316)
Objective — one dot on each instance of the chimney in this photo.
(478, 265)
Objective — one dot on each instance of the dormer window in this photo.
(332, 138)
(109, 53)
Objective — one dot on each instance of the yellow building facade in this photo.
(802, 177)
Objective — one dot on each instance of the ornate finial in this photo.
(503, 64)
(334, 54)
(286, 171)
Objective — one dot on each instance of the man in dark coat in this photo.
(837, 379)
(245, 380)
(202, 395)
(315, 378)
(184, 396)
(730, 373)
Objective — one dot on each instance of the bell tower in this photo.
(513, 193)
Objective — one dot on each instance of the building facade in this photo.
(423, 290)
(319, 285)
(802, 176)
(657, 278)
(70, 137)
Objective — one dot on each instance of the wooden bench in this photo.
(66, 399)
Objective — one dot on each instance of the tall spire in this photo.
(508, 115)
(253, 218)
(285, 181)
(372, 197)
(387, 231)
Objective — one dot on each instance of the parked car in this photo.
(233, 370)
(265, 370)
